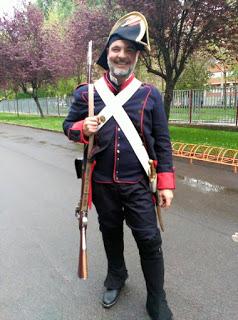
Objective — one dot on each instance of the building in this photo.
(221, 75)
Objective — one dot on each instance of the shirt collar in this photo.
(115, 88)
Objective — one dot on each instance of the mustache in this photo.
(125, 61)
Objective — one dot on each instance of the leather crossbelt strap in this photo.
(114, 107)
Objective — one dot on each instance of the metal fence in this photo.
(215, 106)
(50, 106)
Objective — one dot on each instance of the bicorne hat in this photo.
(132, 27)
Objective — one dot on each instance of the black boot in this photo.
(117, 272)
(152, 263)
(110, 297)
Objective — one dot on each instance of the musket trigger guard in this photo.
(77, 212)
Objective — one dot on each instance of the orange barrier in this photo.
(213, 154)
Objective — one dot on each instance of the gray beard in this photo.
(115, 73)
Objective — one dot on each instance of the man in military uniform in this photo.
(130, 127)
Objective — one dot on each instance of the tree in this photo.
(196, 73)
(63, 8)
(31, 55)
(234, 72)
(84, 25)
(178, 29)
(45, 6)
(224, 61)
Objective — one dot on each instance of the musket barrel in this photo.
(82, 209)
(89, 61)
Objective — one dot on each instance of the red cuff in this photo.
(165, 180)
(79, 127)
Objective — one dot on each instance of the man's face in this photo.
(122, 57)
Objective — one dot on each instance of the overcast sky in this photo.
(6, 6)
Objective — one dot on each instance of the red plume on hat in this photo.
(132, 27)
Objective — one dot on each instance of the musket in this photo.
(81, 211)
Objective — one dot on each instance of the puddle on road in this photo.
(201, 185)
(24, 139)
(17, 137)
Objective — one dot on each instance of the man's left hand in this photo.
(166, 197)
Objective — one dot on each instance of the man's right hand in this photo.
(90, 125)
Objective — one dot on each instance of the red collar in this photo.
(113, 88)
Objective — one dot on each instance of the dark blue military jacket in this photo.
(116, 161)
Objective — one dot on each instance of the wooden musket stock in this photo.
(83, 261)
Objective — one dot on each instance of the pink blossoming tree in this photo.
(31, 55)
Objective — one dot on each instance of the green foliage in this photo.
(95, 3)
(219, 138)
(56, 8)
(3, 95)
(61, 88)
(142, 74)
(64, 87)
(45, 6)
(234, 72)
(10, 94)
(195, 74)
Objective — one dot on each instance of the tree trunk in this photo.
(168, 97)
(225, 89)
(17, 105)
(38, 105)
(16, 98)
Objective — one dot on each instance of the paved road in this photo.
(39, 239)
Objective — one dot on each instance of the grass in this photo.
(204, 114)
(50, 123)
(219, 138)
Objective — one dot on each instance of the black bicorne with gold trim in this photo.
(132, 27)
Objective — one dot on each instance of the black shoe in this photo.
(167, 317)
(162, 312)
(171, 318)
(110, 297)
